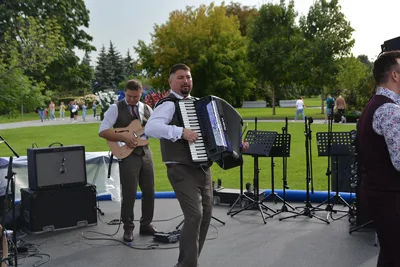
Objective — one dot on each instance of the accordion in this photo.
(219, 127)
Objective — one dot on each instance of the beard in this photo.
(185, 90)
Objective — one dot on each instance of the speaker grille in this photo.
(56, 167)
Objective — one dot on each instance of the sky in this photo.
(125, 22)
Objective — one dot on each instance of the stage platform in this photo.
(244, 241)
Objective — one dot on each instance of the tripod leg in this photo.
(218, 220)
(321, 219)
(262, 214)
(266, 208)
(238, 200)
(360, 227)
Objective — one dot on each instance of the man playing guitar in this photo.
(136, 168)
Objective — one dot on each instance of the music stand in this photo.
(308, 209)
(260, 145)
(11, 184)
(280, 148)
(335, 144)
(241, 194)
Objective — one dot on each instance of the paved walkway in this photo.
(35, 123)
(91, 119)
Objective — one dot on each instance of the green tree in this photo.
(210, 43)
(102, 72)
(20, 93)
(130, 66)
(27, 47)
(273, 38)
(243, 13)
(30, 46)
(70, 15)
(352, 73)
(329, 38)
(117, 70)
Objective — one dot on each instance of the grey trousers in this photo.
(193, 189)
(134, 170)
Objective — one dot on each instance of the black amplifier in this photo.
(54, 167)
(57, 209)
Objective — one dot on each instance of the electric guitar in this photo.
(119, 149)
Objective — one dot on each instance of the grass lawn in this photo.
(281, 113)
(313, 101)
(86, 134)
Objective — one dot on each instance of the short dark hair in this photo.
(133, 85)
(177, 67)
(384, 64)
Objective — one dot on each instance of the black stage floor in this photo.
(244, 241)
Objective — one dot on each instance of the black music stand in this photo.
(308, 209)
(280, 148)
(260, 145)
(241, 194)
(335, 144)
(11, 184)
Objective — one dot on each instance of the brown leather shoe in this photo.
(128, 235)
(149, 230)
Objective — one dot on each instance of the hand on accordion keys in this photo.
(189, 135)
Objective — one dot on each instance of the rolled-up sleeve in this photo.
(386, 122)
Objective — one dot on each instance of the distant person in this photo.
(46, 114)
(41, 113)
(330, 104)
(62, 111)
(84, 111)
(299, 108)
(75, 109)
(52, 109)
(94, 108)
(341, 106)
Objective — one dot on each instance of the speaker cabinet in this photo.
(56, 167)
(57, 209)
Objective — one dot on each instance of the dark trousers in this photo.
(137, 169)
(193, 189)
(385, 211)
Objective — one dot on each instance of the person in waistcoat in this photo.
(191, 181)
(378, 154)
(137, 168)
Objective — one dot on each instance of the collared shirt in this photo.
(157, 126)
(386, 122)
(111, 115)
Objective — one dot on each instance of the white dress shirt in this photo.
(111, 115)
(158, 124)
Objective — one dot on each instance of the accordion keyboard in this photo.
(191, 121)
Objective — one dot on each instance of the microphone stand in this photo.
(10, 180)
